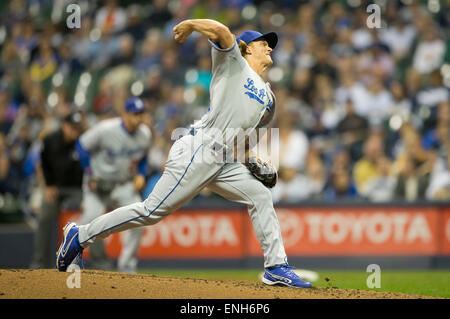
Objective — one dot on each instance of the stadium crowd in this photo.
(363, 113)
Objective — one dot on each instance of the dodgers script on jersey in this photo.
(114, 152)
(233, 83)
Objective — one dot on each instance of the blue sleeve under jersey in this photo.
(83, 155)
(142, 167)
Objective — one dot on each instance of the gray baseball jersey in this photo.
(240, 99)
(239, 96)
(114, 152)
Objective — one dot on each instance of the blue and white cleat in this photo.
(70, 247)
(282, 276)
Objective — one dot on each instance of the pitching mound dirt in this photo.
(49, 283)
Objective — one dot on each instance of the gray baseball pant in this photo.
(192, 165)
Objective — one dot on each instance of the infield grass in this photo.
(426, 283)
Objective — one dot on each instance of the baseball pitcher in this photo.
(240, 100)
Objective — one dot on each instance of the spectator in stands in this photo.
(400, 111)
(361, 37)
(443, 114)
(103, 50)
(342, 46)
(374, 102)
(68, 64)
(410, 147)
(4, 164)
(29, 121)
(301, 84)
(302, 27)
(430, 96)
(284, 55)
(160, 13)
(375, 61)
(7, 112)
(439, 186)
(171, 70)
(323, 62)
(296, 107)
(18, 143)
(413, 84)
(152, 89)
(199, 78)
(15, 12)
(316, 174)
(102, 104)
(348, 89)
(341, 160)
(25, 39)
(12, 65)
(80, 42)
(293, 186)
(111, 18)
(430, 50)
(124, 53)
(366, 168)
(381, 187)
(293, 144)
(175, 110)
(45, 63)
(150, 52)
(411, 182)
(63, 178)
(399, 36)
(63, 105)
(337, 16)
(136, 26)
(437, 137)
(324, 103)
(401, 105)
(340, 186)
(353, 130)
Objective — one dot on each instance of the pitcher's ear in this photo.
(248, 49)
(243, 48)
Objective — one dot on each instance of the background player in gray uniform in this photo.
(240, 99)
(113, 155)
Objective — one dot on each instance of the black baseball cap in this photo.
(74, 118)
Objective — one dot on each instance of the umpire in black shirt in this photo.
(63, 179)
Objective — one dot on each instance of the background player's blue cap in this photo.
(249, 36)
(134, 105)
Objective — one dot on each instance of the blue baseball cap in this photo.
(134, 105)
(249, 36)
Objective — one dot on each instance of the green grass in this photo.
(426, 283)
